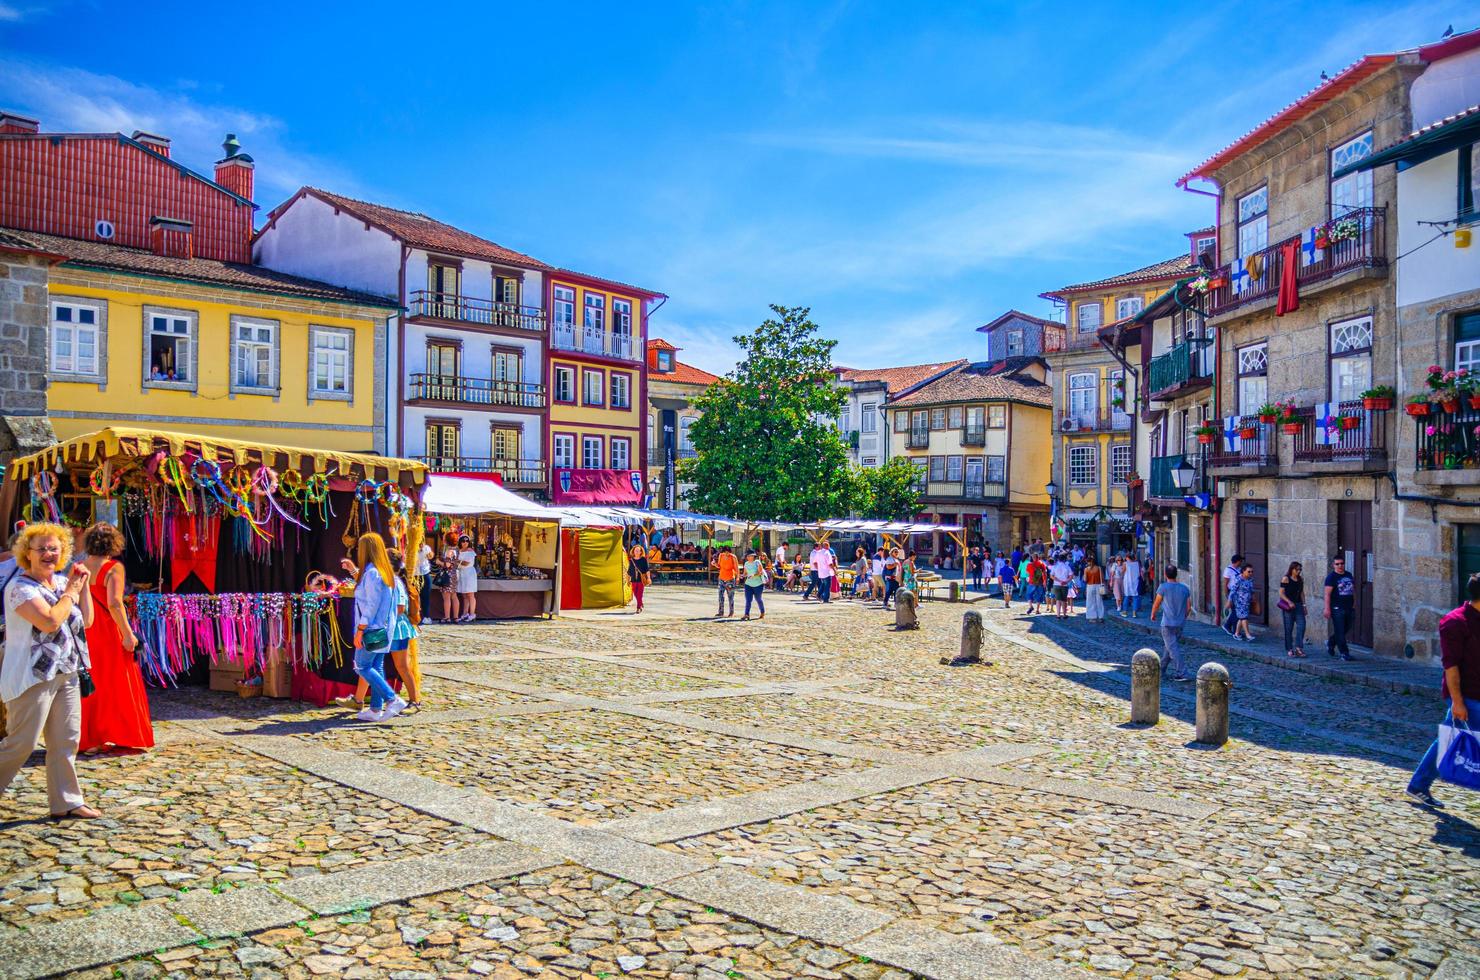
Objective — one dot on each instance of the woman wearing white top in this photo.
(467, 578)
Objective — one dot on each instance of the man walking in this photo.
(1341, 602)
(824, 566)
(1130, 585)
(1062, 574)
(1173, 599)
(1459, 649)
(780, 582)
(729, 572)
(1231, 574)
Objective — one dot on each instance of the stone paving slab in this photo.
(77, 944)
(779, 907)
(236, 911)
(932, 953)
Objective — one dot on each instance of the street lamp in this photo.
(1052, 489)
(1182, 474)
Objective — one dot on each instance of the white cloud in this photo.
(74, 100)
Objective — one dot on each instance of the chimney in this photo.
(12, 123)
(159, 144)
(171, 237)
(234, 171)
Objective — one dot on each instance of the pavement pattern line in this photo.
(784, 908)
(1122, 675)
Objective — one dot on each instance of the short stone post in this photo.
(971, 642)
(1145, 687)
(1213, 685)
(905, 602)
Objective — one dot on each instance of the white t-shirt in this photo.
(1230, 574)
(876, 567)
(424, 560)
(781, 554)
(1131, 580)
(1062, 573)
(823, 562)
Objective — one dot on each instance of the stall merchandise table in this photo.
(499, 598)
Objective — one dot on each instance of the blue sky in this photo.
(909, 171)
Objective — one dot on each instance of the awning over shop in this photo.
(1435, 139)
(460, 495)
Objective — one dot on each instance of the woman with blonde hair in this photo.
(375, 608)
(42, 678)
(117, 714)
(638, 572)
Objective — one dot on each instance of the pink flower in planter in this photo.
(1429, 430)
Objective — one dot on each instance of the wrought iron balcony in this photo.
(918, 439)
(1259, 450)
(588, 340)
(1367, 248)
(984, 490)
(476, 391)
(472, 309)
(1362, 444)
(1113, 421)
(657, 456)
(514, 472)
(1449, 440)
(974, 435)
(1164, 487)
(1178, 370)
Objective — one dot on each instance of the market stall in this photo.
(233, 548)
(516, 541)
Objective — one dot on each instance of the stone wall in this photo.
(24, 427)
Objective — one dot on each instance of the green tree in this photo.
(766, 445)
(892, 493)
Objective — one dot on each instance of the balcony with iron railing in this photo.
(1447, 447)
(1163, 485)
(984, 490)
(1181, 369)
(514, 472)
(1258, 452)
(974, 435)
(476, 391)
(473, 309)
(657, 455)
(1353, 439)
(590, 340)
(1112, 421)
(918, 439)
(1366, 248)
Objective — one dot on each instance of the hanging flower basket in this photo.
(1475, 401)
(1449, 404)
(1417, 408)
(1205, 438)
(1377, 404)
(1343, 230)
(1268, 419)
(1350, 421)
(1248, 432)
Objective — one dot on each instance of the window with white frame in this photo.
(1205, 244)
(953, 469)
(621, 453)
(686, 433)
(1084, 465)
(996, 416)
(1120, 414)
(621, 385)
(1128, 306)
(169, 347)
(591, 384)
(622, 317)
(957, 417)
(1016, 343)
(901, 421)
(937, 469)
(591, 452)
(565, 384)
(1355, 189)
(563, 309)
(595, 312)
(1351, 358)
(920, 472)
(870, 420)
(76, 339)
(254, 361)
(1467, 342)
(1084, 398)
(1253, 377)
(976, 418)
(1089, 316)
(1253, 221)
(331, 358)
(1120, 462)
(563, 451)
(937, 418)
(996, 469)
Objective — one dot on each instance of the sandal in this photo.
(83, 812)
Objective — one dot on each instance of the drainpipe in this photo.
(1217, 556)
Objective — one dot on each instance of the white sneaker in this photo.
(369, 714)
(391, 710)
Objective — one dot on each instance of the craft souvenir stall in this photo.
(233, 548)
(516, 540)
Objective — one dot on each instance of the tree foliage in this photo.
(767, 448)
(891, 493)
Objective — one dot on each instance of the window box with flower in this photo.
(1268, 413)
(1378, 398)
(1206, 433)
(1417, 406)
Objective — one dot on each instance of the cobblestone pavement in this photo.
(664, 795)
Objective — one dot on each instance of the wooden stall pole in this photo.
(960, 538)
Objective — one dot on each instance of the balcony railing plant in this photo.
(472, 309)
(1354, 435)
(1178, 368)
(1449, 440)
(520, 472)
(1355, 240)
(1112, 421)
(588, 340)
(974, 435)
(1257, 445)
(477, 391)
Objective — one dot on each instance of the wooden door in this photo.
(1354, 542)
(1253, 544)
(1209, 563)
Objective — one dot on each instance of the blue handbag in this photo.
(1460, 763)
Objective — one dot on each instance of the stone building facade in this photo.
(24, 427)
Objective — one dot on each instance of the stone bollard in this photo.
(971, 642)
(1145, 687)
(905, 602)
(1213, 685)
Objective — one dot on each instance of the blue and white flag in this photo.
(1311, 253)
(1238, 276)
(1325, 413)
(1232, 441)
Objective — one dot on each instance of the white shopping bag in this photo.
(1446, 735)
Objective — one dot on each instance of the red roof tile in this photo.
(897, 379)
(212, 272)
(1167, 269)
(682, 373)
(421, 231)
(981, 382)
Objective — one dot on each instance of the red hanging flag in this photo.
(193, 544)
(1289, 299)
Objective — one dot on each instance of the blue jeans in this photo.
(1341, 621)
(757, 594)
(1133, 604)
(1171, 639)
(812, 583)
(1294, 628)
(1428, 769)
(370, 665)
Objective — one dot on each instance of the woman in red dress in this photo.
(117, 714)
